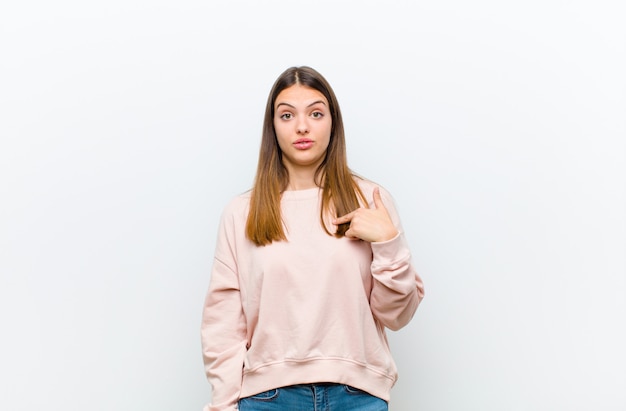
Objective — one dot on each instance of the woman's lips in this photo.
(303, 144)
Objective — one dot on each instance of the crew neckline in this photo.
(301, 194)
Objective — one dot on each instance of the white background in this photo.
(499, 127)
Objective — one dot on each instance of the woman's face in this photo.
(303, 124)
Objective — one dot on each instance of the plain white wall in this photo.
(499, 127)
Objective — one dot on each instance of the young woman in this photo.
(310, 267)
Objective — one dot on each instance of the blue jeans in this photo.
(313, 397)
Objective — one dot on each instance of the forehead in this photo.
(299, 94)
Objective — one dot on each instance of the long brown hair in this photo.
(340, 192)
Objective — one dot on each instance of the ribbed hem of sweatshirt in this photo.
(334, 370)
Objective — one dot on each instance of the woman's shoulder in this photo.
(238, 205)
(367, 186)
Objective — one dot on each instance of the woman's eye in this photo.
(317, 114)
(286, 116)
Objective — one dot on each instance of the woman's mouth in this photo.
(303, 144)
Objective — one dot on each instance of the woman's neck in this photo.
(301, 180)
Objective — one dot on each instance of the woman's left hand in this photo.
(369, 224)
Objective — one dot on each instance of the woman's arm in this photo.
(223, 329)
(397, 289)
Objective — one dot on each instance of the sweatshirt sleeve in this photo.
(397, 288)
(223, 329)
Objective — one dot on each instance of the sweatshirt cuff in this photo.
(390, 251)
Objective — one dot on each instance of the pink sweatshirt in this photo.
(310, 309)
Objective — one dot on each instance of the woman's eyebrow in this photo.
(284, 104)
(316, 102)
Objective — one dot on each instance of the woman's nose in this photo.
(302, 127)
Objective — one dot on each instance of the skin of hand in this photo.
(369, 224)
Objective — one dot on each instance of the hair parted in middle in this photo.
(340, 192)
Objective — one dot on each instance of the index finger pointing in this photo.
(344, 218)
